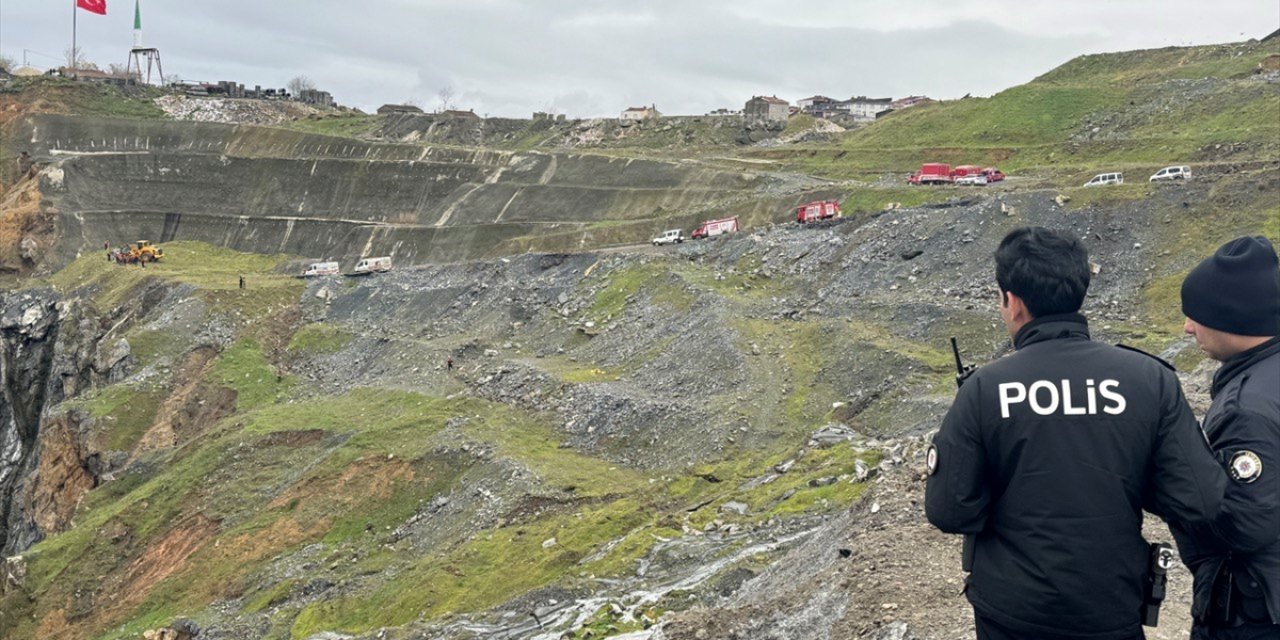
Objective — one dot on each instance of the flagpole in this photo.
(74, 53)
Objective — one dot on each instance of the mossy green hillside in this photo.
(625, 284)
(124, 412)
(1237, 206)
(493, 567)
(214, 271)
(244, 368)
(319, 338)
(283, 475)
(62, 95)
(345, 126)
(1042, 124)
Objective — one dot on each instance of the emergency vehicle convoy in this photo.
(805, 213)
(942, 173)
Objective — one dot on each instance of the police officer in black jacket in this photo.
(1232, 304)
(1048, 456)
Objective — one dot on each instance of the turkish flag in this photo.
(93, 6)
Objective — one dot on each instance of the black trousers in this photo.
(1247, 632)
(988, 630)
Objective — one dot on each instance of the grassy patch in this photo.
(804, 489)
(799, 124)
(125, 412)
(489, 569)
(244, 368)
(61, 95)
(270, 596)
(534, 444)
(875, 200)
(613, 298)
(587, 375)
(1109, 195)
(1191, 237)
(812, 351)
(214, 270)
(734, 283)
(344, 126)
(625, 285)
(318, 339)
(151, 345)
(370, 416)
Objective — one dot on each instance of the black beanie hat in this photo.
(1237, 289)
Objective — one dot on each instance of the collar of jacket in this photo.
(1237, 364)
(1054, 327)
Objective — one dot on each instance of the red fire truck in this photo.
(817, 210)
(715, 227)
(932, 173)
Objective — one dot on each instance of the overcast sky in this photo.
(596, 57)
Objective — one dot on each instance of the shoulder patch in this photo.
(1245, 467)
(1162, 361)
(931, 459)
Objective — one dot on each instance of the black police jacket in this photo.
(1049, 456)
(1243, 427)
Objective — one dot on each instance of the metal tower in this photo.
(139, 52)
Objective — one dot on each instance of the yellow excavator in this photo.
(141, 251)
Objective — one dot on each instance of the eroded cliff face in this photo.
(50, 350)
(28, 337)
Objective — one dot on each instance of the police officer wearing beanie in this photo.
(1232, 304)
(1049, 455)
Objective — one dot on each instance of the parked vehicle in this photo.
(966, 170)
(140, 251)
(972, 179)
(1105, 179)
(320, 269)
(715, 227)
(817, 210)
(993, 174)
(670, 236)
(932, 173)
(372, 265)
(1182, 172)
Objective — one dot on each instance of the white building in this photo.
(864, 108)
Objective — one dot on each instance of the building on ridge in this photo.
(636, 114)
(767, 109)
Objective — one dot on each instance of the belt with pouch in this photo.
(1237, 600)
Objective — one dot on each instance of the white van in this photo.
(372, 265)
(1105, 178)
(670, 236)
(321, 269)
(1182, 172)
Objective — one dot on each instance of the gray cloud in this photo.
(590, 58)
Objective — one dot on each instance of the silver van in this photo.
(1105, 178)
(1171, 173)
